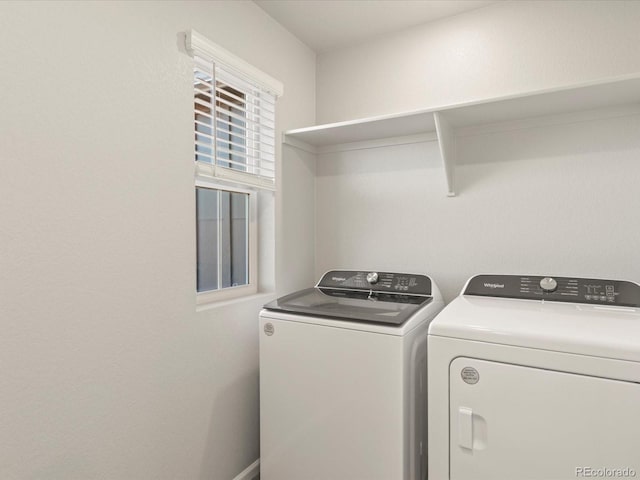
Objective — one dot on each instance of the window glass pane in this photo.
(234, 238)
(203, 115)
(207, 238)
(222, 239)
(231, 133)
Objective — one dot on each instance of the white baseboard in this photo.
(249, 473)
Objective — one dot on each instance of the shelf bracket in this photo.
(446, 141)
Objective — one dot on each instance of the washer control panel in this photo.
(389, 282)
(558, 289)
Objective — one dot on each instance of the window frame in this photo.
(251, 288)
(252, 181)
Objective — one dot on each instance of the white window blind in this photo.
(234, 112)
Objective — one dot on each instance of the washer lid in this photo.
(353, 305)
(595, 330)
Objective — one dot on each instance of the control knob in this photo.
(548, 284)
(372, 278)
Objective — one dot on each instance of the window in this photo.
(225, 231)
(234, 117)
(234, 138)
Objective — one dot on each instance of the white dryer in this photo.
(343, 378)
(536, 378)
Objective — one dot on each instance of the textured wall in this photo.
(108, 371)
(554, 199)
(502, 49)
(557, 200)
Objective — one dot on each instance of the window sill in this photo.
(255, 297)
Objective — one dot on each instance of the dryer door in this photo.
(509, 422)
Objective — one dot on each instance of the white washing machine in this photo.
(343, 378)
(536, 378)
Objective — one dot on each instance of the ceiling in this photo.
(328, 24)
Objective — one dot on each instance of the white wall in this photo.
(107, 369)
(504, 48)
(556, 200)
(296, 249)
(538, 200)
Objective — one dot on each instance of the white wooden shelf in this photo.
(373, 128)
(447, 121)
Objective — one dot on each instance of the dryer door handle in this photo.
(465, 427)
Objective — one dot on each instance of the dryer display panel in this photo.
(557, 289)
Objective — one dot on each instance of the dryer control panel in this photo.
(388, 282)
(558, 289)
